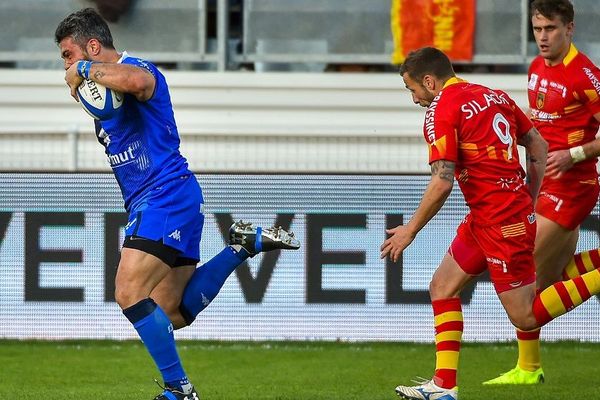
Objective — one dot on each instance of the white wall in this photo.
(237, 121)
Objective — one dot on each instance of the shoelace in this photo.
(172, 390)
(419, 380)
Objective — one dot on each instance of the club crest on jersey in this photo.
(539, 101)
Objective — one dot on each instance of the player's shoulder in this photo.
(139, 62)
(582, 71)
(537, 63)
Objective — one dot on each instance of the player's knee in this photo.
(122, 299)
(125, 296)
(440, 290)
(524, 322)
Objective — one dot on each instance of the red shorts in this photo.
(567, 203)
(505, 249)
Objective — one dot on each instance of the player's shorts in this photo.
(505, 249)
(168, 221)
(567, 203)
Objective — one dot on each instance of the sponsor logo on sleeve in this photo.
(593, 79)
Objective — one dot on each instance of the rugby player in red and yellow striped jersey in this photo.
(472, 132)
(564, 98)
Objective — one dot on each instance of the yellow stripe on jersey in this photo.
(446, 359)
(469, 148)
(572, 107)
(491, 150)
(454, 336)
(440, 145)
(447, 317)
(513, 230)
(589, 182)
(591, 94)
(575, 137)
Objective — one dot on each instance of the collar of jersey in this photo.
(452, 81)
(570, 55)
(124, 55)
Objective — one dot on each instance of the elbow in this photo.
(142, 86)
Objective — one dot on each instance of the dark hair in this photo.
(82, 26)
(427, 61)
(552, 8)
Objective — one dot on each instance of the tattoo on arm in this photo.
(99, 74)
(527, 138)
(526, 141)
(444, 169)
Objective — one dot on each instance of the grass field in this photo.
(105, 370)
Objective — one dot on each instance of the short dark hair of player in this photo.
(552, 8)
(427, 61)
(82, 26)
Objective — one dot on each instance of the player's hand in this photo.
(73, 80)
(558, 162)
(399, 240)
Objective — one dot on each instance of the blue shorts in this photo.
(173, 214)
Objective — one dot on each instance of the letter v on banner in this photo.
(448, 25)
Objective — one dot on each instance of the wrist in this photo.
(577, 154)
(83, 68)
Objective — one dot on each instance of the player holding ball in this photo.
(158, 286)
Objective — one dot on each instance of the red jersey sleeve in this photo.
(524, 124)
(440, 132)
(587, 87)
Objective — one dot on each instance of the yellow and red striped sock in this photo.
(564, 296)
(529, 349)
(581, 263)
(448, 322)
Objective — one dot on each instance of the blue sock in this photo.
(207, 280)
(156, 331)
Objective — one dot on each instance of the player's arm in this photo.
(560, 161)
(438, 190)
(588, 150)
(536, 152)
(124, 78)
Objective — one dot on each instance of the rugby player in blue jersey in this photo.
(158, 285)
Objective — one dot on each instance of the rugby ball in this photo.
(97, 100)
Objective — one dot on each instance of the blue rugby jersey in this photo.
(141, 141)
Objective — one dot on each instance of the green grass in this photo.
(105, 370)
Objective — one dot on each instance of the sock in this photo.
(564, 296)
(156, 331)
(529, 349)
(448, 322)
(581, 263)
(207, 280)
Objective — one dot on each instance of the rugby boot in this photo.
(426, 390)
(518, 376)
(255, 239)
(170, 393)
